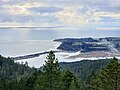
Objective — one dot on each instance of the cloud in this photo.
(115, 3)
(74, 16)
(75, 13)
(45, 9)
(7, 0)
(106, 14)
(85, 15)
(5, 18)
(21, 8)
(109, 20)
(109, 28)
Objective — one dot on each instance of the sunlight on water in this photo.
(16, 48)
(16, 42)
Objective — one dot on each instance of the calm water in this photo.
(46, 34)
(15, 42)
(16, 48)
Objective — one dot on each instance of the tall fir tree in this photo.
(108, 78)
(69, 79)
(51, 74)
(51, 65)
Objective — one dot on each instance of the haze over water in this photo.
(16, 42)
(21, 34)
(50, 19)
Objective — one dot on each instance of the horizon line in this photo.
(6, 27)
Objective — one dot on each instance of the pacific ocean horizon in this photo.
(16, 34)
(15, 42)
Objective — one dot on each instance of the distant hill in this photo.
(83, 69)
(90, 44)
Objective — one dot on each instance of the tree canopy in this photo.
(95, 75)
(108, 78)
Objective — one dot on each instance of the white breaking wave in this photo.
(62, 57)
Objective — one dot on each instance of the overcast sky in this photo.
(98, 14)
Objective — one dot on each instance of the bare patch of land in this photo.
(96, 54)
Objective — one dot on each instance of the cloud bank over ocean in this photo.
(69, 13)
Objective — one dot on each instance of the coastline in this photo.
(36, 46)
(20, 48)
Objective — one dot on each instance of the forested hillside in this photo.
(89, 44)
(84, 69)
(11, 70)
(82, 75)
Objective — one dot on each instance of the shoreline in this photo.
(26, 47)
(95, 54)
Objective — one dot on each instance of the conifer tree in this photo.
(73, 85)
(50, 80)
(51, 65)
(68, 80)
(108, 78)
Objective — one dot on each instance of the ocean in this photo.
(21, 34)
(20, 41)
